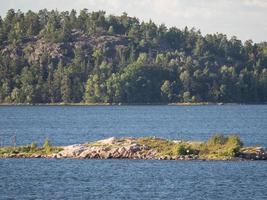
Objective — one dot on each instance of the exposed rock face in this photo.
(109, 148)
(257, 153)
(37, 50)
(72, 151)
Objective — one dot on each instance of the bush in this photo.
(222, 146)
(234, 144)
(183, 149)
(33, 146)
(217, 139)
(47, 145)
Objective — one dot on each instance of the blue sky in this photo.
(247, 19)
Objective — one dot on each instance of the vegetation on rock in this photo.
(218, 147)
(31, 150)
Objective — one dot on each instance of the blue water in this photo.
(131, 179)
(76, 124)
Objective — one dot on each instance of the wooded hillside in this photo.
(52, 56)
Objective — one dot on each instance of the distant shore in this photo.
(129, 104)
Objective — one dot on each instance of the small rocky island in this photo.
(218, 147)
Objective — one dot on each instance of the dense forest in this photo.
(70, 57)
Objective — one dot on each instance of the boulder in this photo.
(72, 151)
(108, 141)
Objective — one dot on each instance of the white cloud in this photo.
(257, 3)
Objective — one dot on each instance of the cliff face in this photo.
(37, 50)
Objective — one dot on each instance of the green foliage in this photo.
(167, 147)
(29, 150)
(33, 146)
(217, 147)
(97, 58)
(166, 91)
(184, 149)
(216, 140)
(163, 147)
(47, 146)
(234, 144)
(221, 146)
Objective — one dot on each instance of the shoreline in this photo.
(129, 104)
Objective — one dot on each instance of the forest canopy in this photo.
(70, 57)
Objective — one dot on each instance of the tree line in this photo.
(99, 58)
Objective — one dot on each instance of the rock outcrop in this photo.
(107, 149)
(256, 153)
(37, 50)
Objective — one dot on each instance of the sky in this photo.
(246, 19)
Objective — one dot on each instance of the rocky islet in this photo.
(139, 148)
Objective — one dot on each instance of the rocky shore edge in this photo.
(149, 148)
